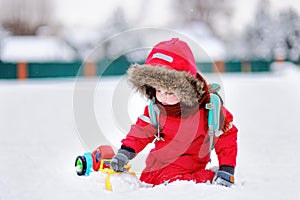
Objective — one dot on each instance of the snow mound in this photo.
(285, 68)
(124, 182)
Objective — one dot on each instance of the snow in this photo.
(40, 138)
(124, 182)
(35, 49)
(136, 43)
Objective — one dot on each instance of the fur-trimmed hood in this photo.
(170, 66)
(185, 86)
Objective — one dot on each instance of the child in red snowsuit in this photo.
(169, 78)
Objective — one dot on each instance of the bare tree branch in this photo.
(210, 12)
(24, 17)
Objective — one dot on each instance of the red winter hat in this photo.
(170, 66)
(174, 54)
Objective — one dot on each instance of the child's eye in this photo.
(161, 92)
(165, 93)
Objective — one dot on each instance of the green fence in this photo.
(205, 67)
(258, 65)
(234, 66)
(8, 70)
(108, 67)
(52, 70)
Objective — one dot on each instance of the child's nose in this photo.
(164, 96)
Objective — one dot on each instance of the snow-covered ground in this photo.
(41, 135)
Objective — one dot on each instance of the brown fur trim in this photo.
(184, 85)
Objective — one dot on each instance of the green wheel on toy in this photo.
(80, 165)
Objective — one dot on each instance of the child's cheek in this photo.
(173, 100)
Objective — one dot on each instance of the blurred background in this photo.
(239, 36)
(54, 106)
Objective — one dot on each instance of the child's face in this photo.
(166, 98)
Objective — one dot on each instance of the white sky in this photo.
(91, 13)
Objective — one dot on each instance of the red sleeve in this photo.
(226, 144)
(140, 134)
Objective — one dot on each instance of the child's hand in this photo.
(120, 160)
(224, 177)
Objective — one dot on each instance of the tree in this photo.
(24, 17)
(214, 13)
(270, 36)
(257, 38)
(289, 37)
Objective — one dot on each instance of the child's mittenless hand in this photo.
(224, 176)
(120, 160)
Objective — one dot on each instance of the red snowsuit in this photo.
(184, 153)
